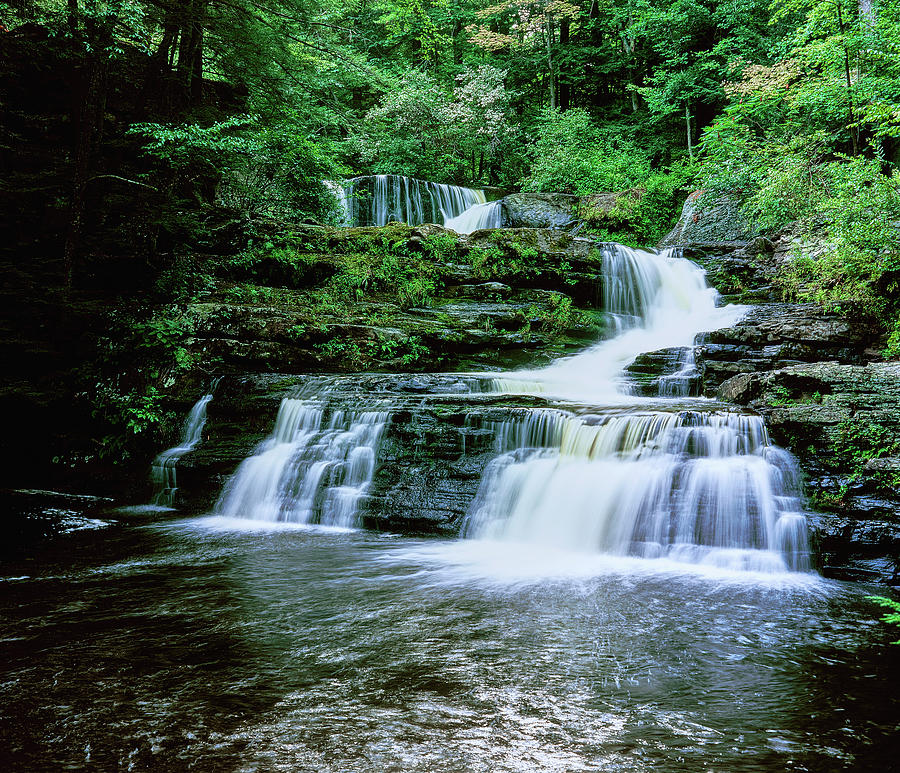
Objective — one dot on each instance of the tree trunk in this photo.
(548, 38)
(628, 46)
(687, 123)
(89, 132)
(854, 130)
(565, 96)
(457, 54)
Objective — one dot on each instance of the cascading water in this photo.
(487, 215)
(381, 199)
(314, 468)
(701, 487)
(162, 472)
(698, 486)
(651, 301)
(688, 481)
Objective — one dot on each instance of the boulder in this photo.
(710, 221)
(539, 210)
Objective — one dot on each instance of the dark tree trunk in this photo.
(90, 130)
(565, 94)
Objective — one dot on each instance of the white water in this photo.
(381, 199)
(162, 472)
(651, 301)
(703, 486)
(487, 215)
(698, 487)
(309, 470)
(695, 484)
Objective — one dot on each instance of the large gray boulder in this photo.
(539, 210)
(707, 220)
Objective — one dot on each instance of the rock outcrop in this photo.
(495, 299)
(776, 335)
(539, 210)
(713, 222)
(843, 423)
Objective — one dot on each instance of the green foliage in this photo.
(123, 384)
(892, 617)
(800, 143)
(274, 169)
(643, 215)
(505, 260)
(127, 417)
(572, 154)
(423, 129)
(859, 211)
(858, 442)
(558, 316)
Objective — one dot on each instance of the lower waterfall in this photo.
(162, 472)
(314, 467)
(701, 487)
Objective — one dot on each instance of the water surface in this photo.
(216, 645)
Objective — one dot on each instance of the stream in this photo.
(632, 589)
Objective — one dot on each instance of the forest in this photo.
(138, 133)
(791, 107)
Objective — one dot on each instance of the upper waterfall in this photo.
(380, 199)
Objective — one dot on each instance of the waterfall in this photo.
(162, 472)
(699, 486)
(380, 199)
(311, 469)
(487, 215)
(651, 301)
(694, 486)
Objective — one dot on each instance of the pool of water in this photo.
(201, 644)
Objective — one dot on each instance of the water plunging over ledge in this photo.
(311, 469)
(380, 199)
(162, 472)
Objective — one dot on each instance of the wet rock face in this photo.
(433, 453)
(778, 335)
